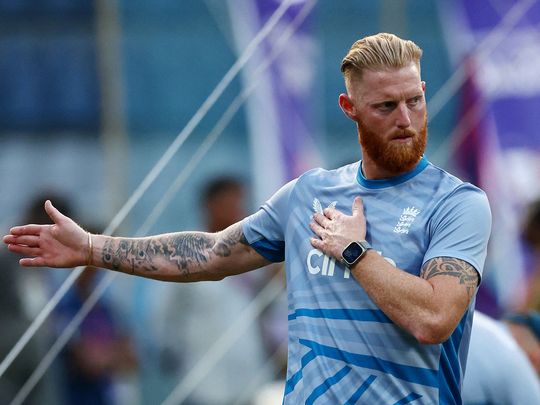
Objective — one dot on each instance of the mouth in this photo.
(403, 137)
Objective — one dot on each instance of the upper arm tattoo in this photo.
(228, 239)
(449, 266)
(185, 250)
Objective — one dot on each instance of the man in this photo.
(531, 237)
(498, 370)
(98, 354)
(189, 335)
(381, 325)
(525, 328)
(17, 310)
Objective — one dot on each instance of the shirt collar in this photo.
(391, 181)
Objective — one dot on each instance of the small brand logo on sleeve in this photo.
(406, 219)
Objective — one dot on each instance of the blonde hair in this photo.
(379, 52)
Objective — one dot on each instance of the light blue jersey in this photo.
(342, 348)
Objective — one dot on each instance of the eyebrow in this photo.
(388, 97)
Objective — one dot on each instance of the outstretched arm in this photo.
(181, 256)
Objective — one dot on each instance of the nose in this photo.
(403, 119)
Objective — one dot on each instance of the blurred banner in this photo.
(280, 112)
(497, 142)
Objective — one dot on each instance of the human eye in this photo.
(414, 101)
(386, 106)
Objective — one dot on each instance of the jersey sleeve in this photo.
(265, 229)
(461, 227)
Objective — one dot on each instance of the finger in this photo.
(316, 243)
(25, 250)
(26, 230)
(357, 207)
(7, 239)
(27, 240)
(317, 229)
(32, 262)
(321, 220)
(55, 215)
(330, 212)
(13, 239)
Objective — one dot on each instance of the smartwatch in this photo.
(354, 252)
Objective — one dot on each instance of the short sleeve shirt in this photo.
(342, 347)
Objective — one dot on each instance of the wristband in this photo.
(90, 250)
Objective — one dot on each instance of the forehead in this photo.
(388, 84)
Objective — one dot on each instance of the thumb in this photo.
(55, 215)
(357, 207)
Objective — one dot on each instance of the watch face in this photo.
(352, 252)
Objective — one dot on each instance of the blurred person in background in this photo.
(14, 321)
(224, 199)
(524, 324)
(531, 237)
(211, 309)
(23, 293)
(383, 256)
(525, 328)
(100, 351)
(498, 371)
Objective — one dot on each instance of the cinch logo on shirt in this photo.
(319, 263)
(327, 265)
(406, 219)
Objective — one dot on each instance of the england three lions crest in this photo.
(406, 219)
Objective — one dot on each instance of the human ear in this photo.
(347, 106)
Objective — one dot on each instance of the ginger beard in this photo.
(395, 157)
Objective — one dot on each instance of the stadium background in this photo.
(93, 93)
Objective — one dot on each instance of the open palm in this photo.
(63, 244)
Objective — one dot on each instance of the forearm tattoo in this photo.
(448, 266)
(185, 250)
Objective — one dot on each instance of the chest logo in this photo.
(406, 219)
(318, 208)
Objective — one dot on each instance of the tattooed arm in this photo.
(430, 306)
(182, 256)
(459, 269)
